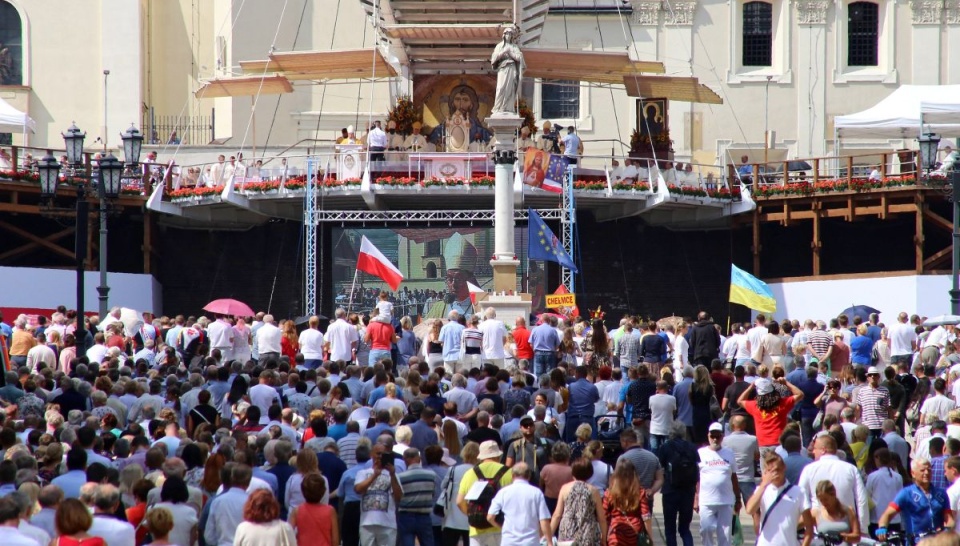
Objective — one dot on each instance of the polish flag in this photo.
(474, 290)
(372, 261)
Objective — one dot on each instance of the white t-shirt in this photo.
(384, 311)
(901, 335)
(662, 407)
(781, 527)
(938, 405)
(220, 333)
(263, 396)
(523, 506)
(376, 505)
(493, 333)
(755, 336)
(341, 336)
(268, 339)
(953, 493)
(311, 344)
(716, 469)
(882, 486)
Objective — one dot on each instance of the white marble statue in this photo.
(507, 60)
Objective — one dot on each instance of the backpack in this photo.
(684, 470)
(477, 509)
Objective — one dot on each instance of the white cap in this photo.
(873, 370)
(715, 427)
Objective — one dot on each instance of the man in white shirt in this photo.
(226, 509)
(755, 334)
(951, 468)
(572, 147)
(939, 404)
(780, 506)
(843, 475)
(377, 141)
(718, 492)
(524, 509)
(493, 332)
(41, 353)
(220, 334)
(903, 340)
(9, 521)
(98, 350)
(379, 492)
(342, 338)
(268, 340)
(663, 408)
(311, 344)
(113, 531)
(263, 395)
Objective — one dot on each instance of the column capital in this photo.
(927, 12)
(646, 12)
(813, 12)
(504, 157)
(680, 13)
(951, 12)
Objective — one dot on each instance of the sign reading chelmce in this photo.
(555, 301)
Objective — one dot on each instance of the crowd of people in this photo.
(252, 431)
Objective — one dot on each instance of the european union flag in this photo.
(555, 172)
(544, 245)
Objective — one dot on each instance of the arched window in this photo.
(757, 34)
(863, 31)
(11, 45)
(431, 270)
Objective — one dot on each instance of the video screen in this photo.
(437, 263)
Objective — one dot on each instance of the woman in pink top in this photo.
(556, 474)
(314, 523)
(68, 353)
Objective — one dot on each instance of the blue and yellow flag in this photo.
(544, 245)
(750, 291)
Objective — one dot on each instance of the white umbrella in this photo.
(132, 321)
(941, 320)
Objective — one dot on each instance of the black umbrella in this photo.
(862, 311)
(795, 166)
(300, 321)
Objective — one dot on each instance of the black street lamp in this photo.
(929, 144)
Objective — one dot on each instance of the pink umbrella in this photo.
(229, 307)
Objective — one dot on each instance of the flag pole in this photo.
(353, 286)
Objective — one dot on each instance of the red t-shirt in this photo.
(521, 336)
(381, 335)
(770, 424)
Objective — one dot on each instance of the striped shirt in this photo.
(628, 349)
(874, 406)
(348, 448)
(644, 462)
(819, 341)
(473, 340)
(419, 490)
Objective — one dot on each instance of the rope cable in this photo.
(276, 109)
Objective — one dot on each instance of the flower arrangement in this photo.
(529, 120)
(724, 193)
(484, 181)
(129, 189)
(260, 187)
(639, 143)
(627, 186)
(597, 314)
(405, 114)
(199, 191)
(399, 181)
(689, 191)
(434, 181)
(832, 186)
(20, 175)
(337, 183)
(589, 185)
(296, 183)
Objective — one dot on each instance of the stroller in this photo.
(609, 427)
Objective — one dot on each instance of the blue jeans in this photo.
(574, 421)
(677, 515)
(657, 440)
(376, 355)
(544, 362)
(312, 364)
(412, 526)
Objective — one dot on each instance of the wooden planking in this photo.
(244, 86)
(324, 65)
(673, 88)
(593, 66)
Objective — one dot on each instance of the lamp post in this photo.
(929, 143)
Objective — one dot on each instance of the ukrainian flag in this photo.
(750, 291)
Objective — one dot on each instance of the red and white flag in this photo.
(372, 261)
(474, 290)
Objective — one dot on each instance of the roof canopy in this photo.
(364, 63)
(13, 120)
(593, 66)
(678, 89)
(936, 107)
(244, 86)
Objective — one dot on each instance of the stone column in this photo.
(504, 262)
(812, 88)
(927, 17)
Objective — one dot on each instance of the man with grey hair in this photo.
(190, 399)
(100, 407)
(49, 498)
(419, 496)
(106, 499)
(494, 333)
(268, 340)
(483, 432)
(25, 506)
(175, 467)
(520, 510)
(451, 336)
(465, 400)
(349, 498)
(341, 338)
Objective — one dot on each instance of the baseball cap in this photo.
(873, 370)
(715, 427)
(526, 420)
(764, 386)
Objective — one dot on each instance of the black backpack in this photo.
(477, 509)
(684, 470)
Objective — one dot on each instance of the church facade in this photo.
(783, 67)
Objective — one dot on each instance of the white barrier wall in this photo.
(925, 295)
(36, 288)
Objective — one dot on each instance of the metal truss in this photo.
(425, 216)
(310, 241)
(568, 218)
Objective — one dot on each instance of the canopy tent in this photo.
(15, 121)
(936, 107)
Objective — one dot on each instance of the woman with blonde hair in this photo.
(433, 348)
(455, 525)
(582, 434)
(73, 521)
(570, 352)
(701, 393)
(396, 415)
(389, 400)
(160, 522)
(580, 516)
(289, 341)
(306, 463)
(625, 504)
(832, 516)
(601, 470)
(451, 438)
(859, 446)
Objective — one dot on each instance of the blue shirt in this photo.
(450, 336)
(795, 463)
(423, 435)
(583, 399)
(508, 430)
(70, 483)
(337, 431)
(681, 391)
(544, 338)
(348, 480)
(797, 376)
(861, 350)
(920, 512)
(873, 332)
(376, 430)
(406, 346)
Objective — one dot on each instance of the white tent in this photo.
(15, 121)
(936, 107)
